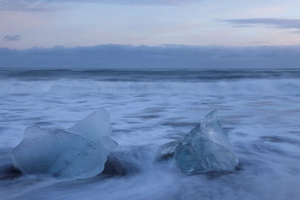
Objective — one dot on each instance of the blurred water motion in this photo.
(260, 109)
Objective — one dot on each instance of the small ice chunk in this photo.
(166, 151)
(77, 153)
(206, 148)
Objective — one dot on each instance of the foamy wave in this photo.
(239, 87)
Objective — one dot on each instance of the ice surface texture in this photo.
(77, 153)
(205, 149)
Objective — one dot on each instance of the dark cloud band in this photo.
(167, 56)
(271, 22)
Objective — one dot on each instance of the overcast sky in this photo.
(149, 33)
(34, 23)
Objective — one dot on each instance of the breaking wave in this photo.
(237, 87)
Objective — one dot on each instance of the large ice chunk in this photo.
(206, 148)
(77, 153)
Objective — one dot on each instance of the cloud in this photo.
(260, 42)
(270, 22)
(40, 5)
(295, 32)
(165, 56)
(24, 5)
(12, 38)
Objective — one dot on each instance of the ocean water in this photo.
(260, 109)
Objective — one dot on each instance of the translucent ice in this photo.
(77, 153)
(206, 148)
(166, 151)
